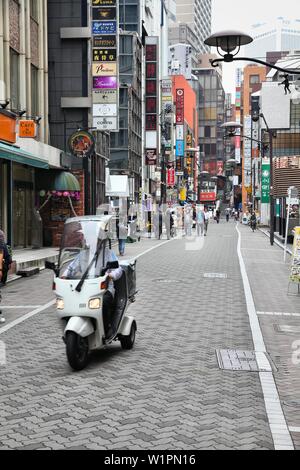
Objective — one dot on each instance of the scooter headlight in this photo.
(60, 304)
(94, 304)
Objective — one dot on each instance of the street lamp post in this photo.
(230, 42)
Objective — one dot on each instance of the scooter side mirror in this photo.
(51, 267)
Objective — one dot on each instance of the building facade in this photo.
(280, 35)
(197, 15)
(70, 104)
(24, 130)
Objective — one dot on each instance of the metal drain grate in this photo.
(215, 276)
(243, 361)
(287, 329)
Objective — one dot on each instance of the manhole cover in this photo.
(287, 329)
(215, 276)
(244, 361)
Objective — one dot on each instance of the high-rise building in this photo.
(197, 15)
(281, 35)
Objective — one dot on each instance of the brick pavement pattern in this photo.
(268, 276)
(168, 393)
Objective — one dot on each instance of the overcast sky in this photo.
(241, 14)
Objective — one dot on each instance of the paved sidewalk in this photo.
(268, 277)
(169, 392)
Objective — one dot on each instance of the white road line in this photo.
(278, 425)
(281, 314)
(294, 429)
(19, 307)
(26, 317)
(50, 304)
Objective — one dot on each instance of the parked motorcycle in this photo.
(81, 281)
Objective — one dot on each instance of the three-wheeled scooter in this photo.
(81, 282)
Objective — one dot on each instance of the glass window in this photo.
(14, 80)
(254, 79)
(207, 131)
(34, 91)
(295, 115)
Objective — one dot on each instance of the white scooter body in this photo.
(82, 320)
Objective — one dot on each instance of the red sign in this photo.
(180, 106)
(171, 177)
(208, 197)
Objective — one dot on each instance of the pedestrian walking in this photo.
(188, 221)
(218, 215)
(122, 234)
(5, 263)
(206, 223)
(200, 222)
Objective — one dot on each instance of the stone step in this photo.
(28, 272)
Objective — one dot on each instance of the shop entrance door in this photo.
(22, 215)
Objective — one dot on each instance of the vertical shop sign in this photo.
(105, 67)
(265, 183)
(151, 99)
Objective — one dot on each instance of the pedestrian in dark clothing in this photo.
(5, 263)
(218, 215)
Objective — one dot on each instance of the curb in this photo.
(276, 241)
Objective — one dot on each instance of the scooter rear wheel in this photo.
(77, 351)
(127, 342)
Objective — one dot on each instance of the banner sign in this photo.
(151, 99)
(105, 41)
(105, 70)
(105, 96)
(265, 183)
(104, 3)
(208, 197)
(180, 148)
(180, 106)
(105, 13)
(104, 27)
(104, 55)
(27, 129)
(295, 267)
(171, 177)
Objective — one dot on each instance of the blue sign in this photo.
(104, 27)
(179, 148)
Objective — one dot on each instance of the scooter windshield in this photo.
(81, 241)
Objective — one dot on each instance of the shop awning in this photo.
(65, 181)
(15, 154)
(117, 186)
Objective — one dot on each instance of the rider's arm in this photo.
(115, 274)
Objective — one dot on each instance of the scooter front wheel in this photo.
(77, 350)
(127, 342)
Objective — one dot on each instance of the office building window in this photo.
(34, 10)
(295, 115)
(34, 91)
(254, 79)
(14, 80)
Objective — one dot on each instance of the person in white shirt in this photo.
(207, 217)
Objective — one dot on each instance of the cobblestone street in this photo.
(169, 391)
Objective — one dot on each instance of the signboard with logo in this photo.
(208, 197)
(105, 123)
(180, 148)
(105, 70)
(171, 177)
(82, 144)
(105, 41)
(105, 96)
(151, 157)
(105, 110)
(265, 183)
(27, 129)
(151, 100)
(7, 127)
(220, 168)
(180, 107)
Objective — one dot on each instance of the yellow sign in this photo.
(248, 189)
(183, 194)
(27, 129)
(295, 267)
